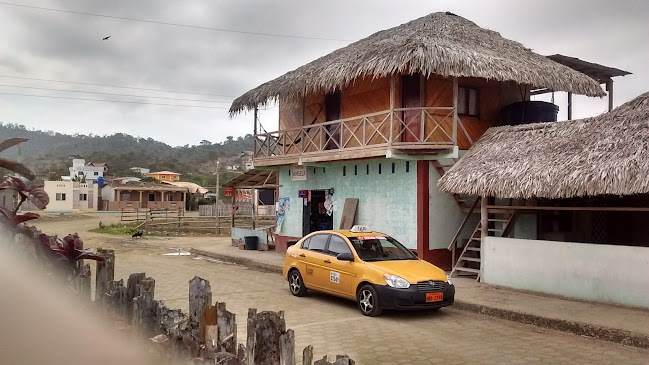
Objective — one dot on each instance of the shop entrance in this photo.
(314, 213)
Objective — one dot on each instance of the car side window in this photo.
(318, 242)
(337, 245)
(305, 244)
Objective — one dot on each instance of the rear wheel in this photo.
(368, 301)
(296, 284)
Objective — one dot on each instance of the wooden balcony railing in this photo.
(403, 128)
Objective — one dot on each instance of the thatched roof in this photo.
(607, 154)
(440, 43)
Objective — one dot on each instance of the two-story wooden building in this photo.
(379, 120)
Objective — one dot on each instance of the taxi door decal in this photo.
(334, 277)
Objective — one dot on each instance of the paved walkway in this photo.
(620, 324)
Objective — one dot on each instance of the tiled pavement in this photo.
(335, 326)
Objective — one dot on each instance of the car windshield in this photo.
(380, 248)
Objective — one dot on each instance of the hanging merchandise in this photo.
(329, 203)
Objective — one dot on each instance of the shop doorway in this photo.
(315, 216)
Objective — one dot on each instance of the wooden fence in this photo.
(135, 216)
(208, 332)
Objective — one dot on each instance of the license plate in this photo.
(434, 297)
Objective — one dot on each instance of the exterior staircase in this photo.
(499, 224)
(469, 262)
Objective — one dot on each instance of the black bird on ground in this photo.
(105, 38)
(137, 234)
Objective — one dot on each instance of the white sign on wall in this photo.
(298, 172)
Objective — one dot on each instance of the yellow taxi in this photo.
(369, 267)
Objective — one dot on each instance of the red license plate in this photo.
(434, 297)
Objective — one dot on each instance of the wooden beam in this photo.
(609, 88)
(540, 91)
(455, 116)
(393, 82)
(484, 218)
(601, 209)
(569, 106)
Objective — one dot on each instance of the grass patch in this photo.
(116, 229)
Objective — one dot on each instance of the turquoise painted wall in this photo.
(445, 216)
(387, 201)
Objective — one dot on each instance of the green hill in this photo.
(50, 154)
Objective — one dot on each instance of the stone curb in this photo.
(239, 260)
(579, 328)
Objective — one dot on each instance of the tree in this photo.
(205, 143)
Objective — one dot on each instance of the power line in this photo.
(115, 86)
(114, 94)
(116, 101)
(176, 24)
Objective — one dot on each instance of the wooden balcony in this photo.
(424, 130)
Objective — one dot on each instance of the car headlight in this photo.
(396, 281)
(448, 279)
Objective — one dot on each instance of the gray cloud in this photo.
(50, 45)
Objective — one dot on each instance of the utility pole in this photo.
(216, 202)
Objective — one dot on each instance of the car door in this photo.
(342, 275)
(314, 257)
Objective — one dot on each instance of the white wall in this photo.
(444, 215)
(605, 273)
(72, 190)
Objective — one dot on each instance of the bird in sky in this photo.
(105, 38)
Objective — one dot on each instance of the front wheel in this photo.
(368, 301)
(296, 284)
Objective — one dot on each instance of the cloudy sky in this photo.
(213, 66)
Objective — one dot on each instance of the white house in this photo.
(140, 170)
(71, 196)
(91, 171)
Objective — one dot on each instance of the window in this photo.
(163, 176)
(60, 196)
(468, 101)
(380, 248)
(96, 173)
(305, 244)
(151, 197)
(80, 173)
(83, 197)
(170, 198)
(318, 242)
(126, 197)
(337, 245)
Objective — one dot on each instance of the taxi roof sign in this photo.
(359, 228)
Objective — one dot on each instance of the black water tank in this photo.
(529, 112)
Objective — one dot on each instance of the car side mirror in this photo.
(345, 256)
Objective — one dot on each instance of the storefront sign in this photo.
(298, 172)
(229, 191)
(302, 193)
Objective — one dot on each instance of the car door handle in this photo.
(302, 255)
(327, 261)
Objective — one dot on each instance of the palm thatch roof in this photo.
(440, 43)
(607, 154)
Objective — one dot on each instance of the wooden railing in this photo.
(432, 127)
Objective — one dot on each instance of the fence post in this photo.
(307, 355)
(287, 348)
(200, 296)
(84, 282)
(227, 327)
(144, 308)
(105, 272)
(132, 291)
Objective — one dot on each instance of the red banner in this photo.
(229, 191)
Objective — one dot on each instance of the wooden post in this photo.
(132, 292)
(252, 217)
(210, 332)
(254, 127)
(609, 88)
(265, 328)
(287, 348)
(84, 282)
(569, 106)
(251, 339)
(227, 329)
(392, 101)
(422, 100)
(144, 309)
(455, 116)
(307, 355)
(200, 296)
(484, 218)
(234, 193)
(105, 272)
